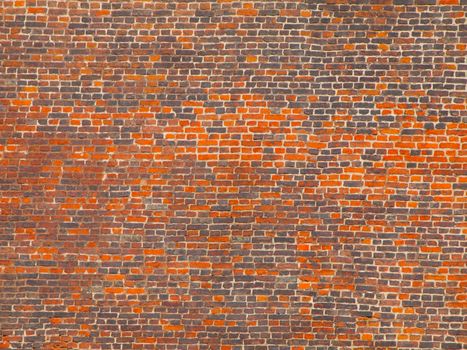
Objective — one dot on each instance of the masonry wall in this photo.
(222, 174)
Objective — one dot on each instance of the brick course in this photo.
(224, 174)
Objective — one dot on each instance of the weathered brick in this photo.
(232, 174)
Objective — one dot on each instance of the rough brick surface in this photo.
(224, 174)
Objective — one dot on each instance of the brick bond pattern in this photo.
(224, 174)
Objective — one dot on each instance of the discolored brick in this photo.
(232, 174)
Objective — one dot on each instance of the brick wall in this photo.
(225, 174)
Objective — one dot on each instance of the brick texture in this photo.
(225, 174)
